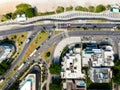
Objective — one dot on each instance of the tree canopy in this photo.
(100, 8)
(55, 69)
(60, 9)
(116, 72)
(80, 8)
(91, 8)
(23, 6)
(56, 84)
(69, 8)
(26, 9)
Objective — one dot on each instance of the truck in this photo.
(21, 66)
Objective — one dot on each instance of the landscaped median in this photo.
(46, 55)
(42, 36)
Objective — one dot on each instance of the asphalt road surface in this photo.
(51, 26)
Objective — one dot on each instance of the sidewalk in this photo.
(42, 85)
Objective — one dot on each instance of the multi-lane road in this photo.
(33, 27)
(54, 40)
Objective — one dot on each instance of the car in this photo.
(49, 36)
(27, 40)
(68, 26)
(37, 47)
(44, 28)
(94, 26)
(78, 27)
(54, 26)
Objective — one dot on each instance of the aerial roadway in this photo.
(54, 40)
(115, 35)
(48, 27)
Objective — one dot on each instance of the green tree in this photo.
(55, 87)
(48, 54)
(23, 6)
(8, 15)
(108, 7)
(56, 84)
(30, 12)
(22, 35)
(116, 72)
(80, 8)
(69, 8)
(91, 8)
(60, 9)
(25, 9)
(55, 69)
(100, 8)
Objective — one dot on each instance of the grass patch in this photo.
(57, 32)
(46, 13)
(99, 21)
(47, 53)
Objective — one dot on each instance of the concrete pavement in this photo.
(72, 15)
(62, 44)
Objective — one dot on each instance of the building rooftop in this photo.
(98, 57)
(26, 86)
(29, 83)
(77, 85)
(5, 49)
(71, 65)
(100, 75)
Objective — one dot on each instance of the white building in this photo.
(98, 57)
(100, 75)
(71, 65)
(29, 83)
(21, 18)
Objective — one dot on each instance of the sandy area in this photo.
(49, 5)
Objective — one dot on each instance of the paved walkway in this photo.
(72, 15)
(48, 80)
(61, 45)
(42, 85)
(78, 14)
